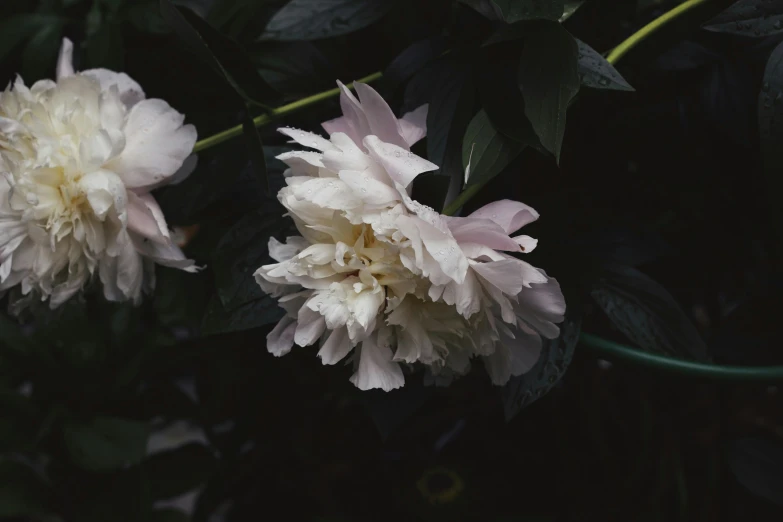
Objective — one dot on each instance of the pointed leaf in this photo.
(487, 150)
(223, 55)
(556, 355)
(756, 18)
(646, 313)
(549, 79)
(516, 10)
(770, 112)
(313, 19)
(596, 72)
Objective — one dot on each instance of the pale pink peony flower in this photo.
(377, 274)
(79, 158)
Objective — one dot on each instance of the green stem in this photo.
(227, 134)
(623, 353)
(632, 41)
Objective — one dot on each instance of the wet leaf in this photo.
(313, 19)
(556, 355)
(647, 314)
(596, 72)
(755, 18)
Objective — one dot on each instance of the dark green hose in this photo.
(615, 351)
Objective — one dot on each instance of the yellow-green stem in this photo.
(227, 134)
(617, 53)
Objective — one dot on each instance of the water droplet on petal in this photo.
(494, 216)
(397, 154)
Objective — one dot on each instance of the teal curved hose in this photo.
(617, 351)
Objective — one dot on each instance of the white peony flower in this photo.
(79, 158)
(377, 273)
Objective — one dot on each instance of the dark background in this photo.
(669, 174)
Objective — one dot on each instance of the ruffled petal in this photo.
(413, 125)
(336, 347)
(511, 215)
(401, 165)
(157, 144)
(376, 368)
(130, 92)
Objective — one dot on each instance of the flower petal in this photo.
(65, 60)
(513, 356)
(381, 119)
(146, 219)
(157, 144)
(309, 328)
(413, 125)
(527, 243)
(163, 253)
(308, 139)
(376, 368)
(336, 347)
(483, 232)
(401, 165)
(130, 92)
(511, 215)
(281, 339)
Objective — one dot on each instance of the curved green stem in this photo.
(620, 352)
(633, 40)
(227, 134)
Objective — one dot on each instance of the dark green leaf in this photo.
(756, 18)
(223, 55)
(255, 150)
(239, 254)
(646, 313)
(556, 355)
(770, 116)
(515, 10)
(596, 72)
(14, 29)
(451, 82)
(178, 471)
(313, 19)
(40, 54)
(511, 11)
(549, 79)
(22, 492)
(758, 465)
(295, 68)
(253, 314)
(106, 443)
(486, 150)
(500, 94)
(412, 60)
